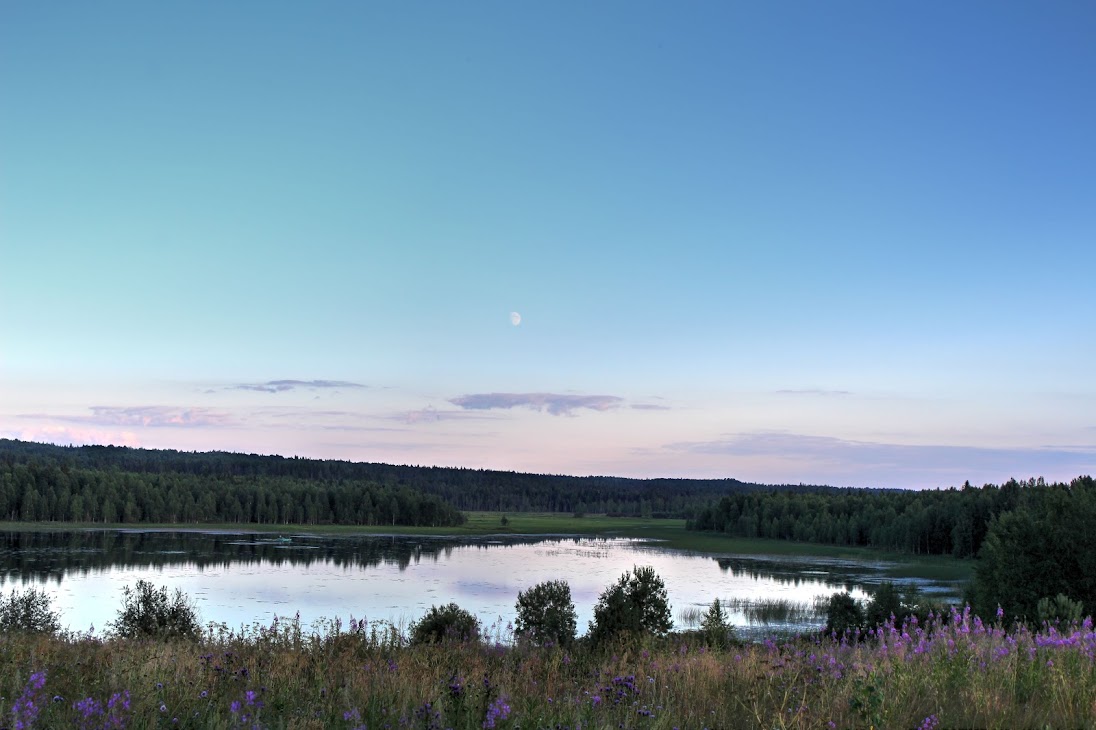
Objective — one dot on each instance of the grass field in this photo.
(952, 673)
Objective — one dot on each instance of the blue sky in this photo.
(846, 243)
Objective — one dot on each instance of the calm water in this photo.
(240, 579)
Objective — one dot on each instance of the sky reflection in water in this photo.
(240, 579)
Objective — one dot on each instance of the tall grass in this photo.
(954, 670)
(762, 611)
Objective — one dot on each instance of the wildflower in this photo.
(163, 707)
(90, 710)
(497, 710)
(929, 723)
(26, 708)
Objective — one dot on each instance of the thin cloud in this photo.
(282, 386)
(159, 416)
(814, 391)
(557, 404)
(144, 416)
(78, 436)
(887, 463)
(649, 407)
(433, 415)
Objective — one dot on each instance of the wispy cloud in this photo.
(649, 407)
(79, 436)
(159, 416)
(433, 415)
(867, 463)
(557, 404)
(814, 391)
(282, 386)
(144, 416)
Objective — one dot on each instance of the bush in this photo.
(29, 611)
(887, 601)
(148, 611)
(445, 624)
(716, 629)
(843, 613)
(546, 614)
(635, 606)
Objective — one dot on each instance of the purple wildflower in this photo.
(26, 708)
(497, 710)
(929, 723)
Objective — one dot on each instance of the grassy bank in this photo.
(961, 673)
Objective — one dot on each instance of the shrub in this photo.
(546, 613)
(148, 611)
(843, 612)
(887, 601)
(445, 624)
(633, 607)
(716, 629)
(28, 611)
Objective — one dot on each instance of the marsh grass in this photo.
(361, 673)
(761, 612)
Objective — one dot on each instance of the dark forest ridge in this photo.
(465, 489)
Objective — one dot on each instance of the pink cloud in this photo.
(66, 435)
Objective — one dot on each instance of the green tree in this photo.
(148, 611)
(888, 601)
(28, 611)
(715, 627)
(546, 614)
(635, 606)
(843, 613)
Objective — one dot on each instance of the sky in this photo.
(845, 243)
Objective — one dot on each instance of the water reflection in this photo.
(28, 556)
(241, 578)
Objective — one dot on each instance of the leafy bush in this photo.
(28, 611)
(546, 613)
(716, 629)
(445, 624)
(887, 601)
(148, 611)
(843, 612)
(633, 607)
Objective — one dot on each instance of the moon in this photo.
(515, 318)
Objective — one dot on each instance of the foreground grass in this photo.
(958, 673)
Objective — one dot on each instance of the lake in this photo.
(242, 578)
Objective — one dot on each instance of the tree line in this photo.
(33, 491)
(928, 522)
(1034, 542)
(464, 489)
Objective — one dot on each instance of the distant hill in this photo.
(464, 489)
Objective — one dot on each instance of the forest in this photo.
(464, 489)
(41, 490)
(1033, 540)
